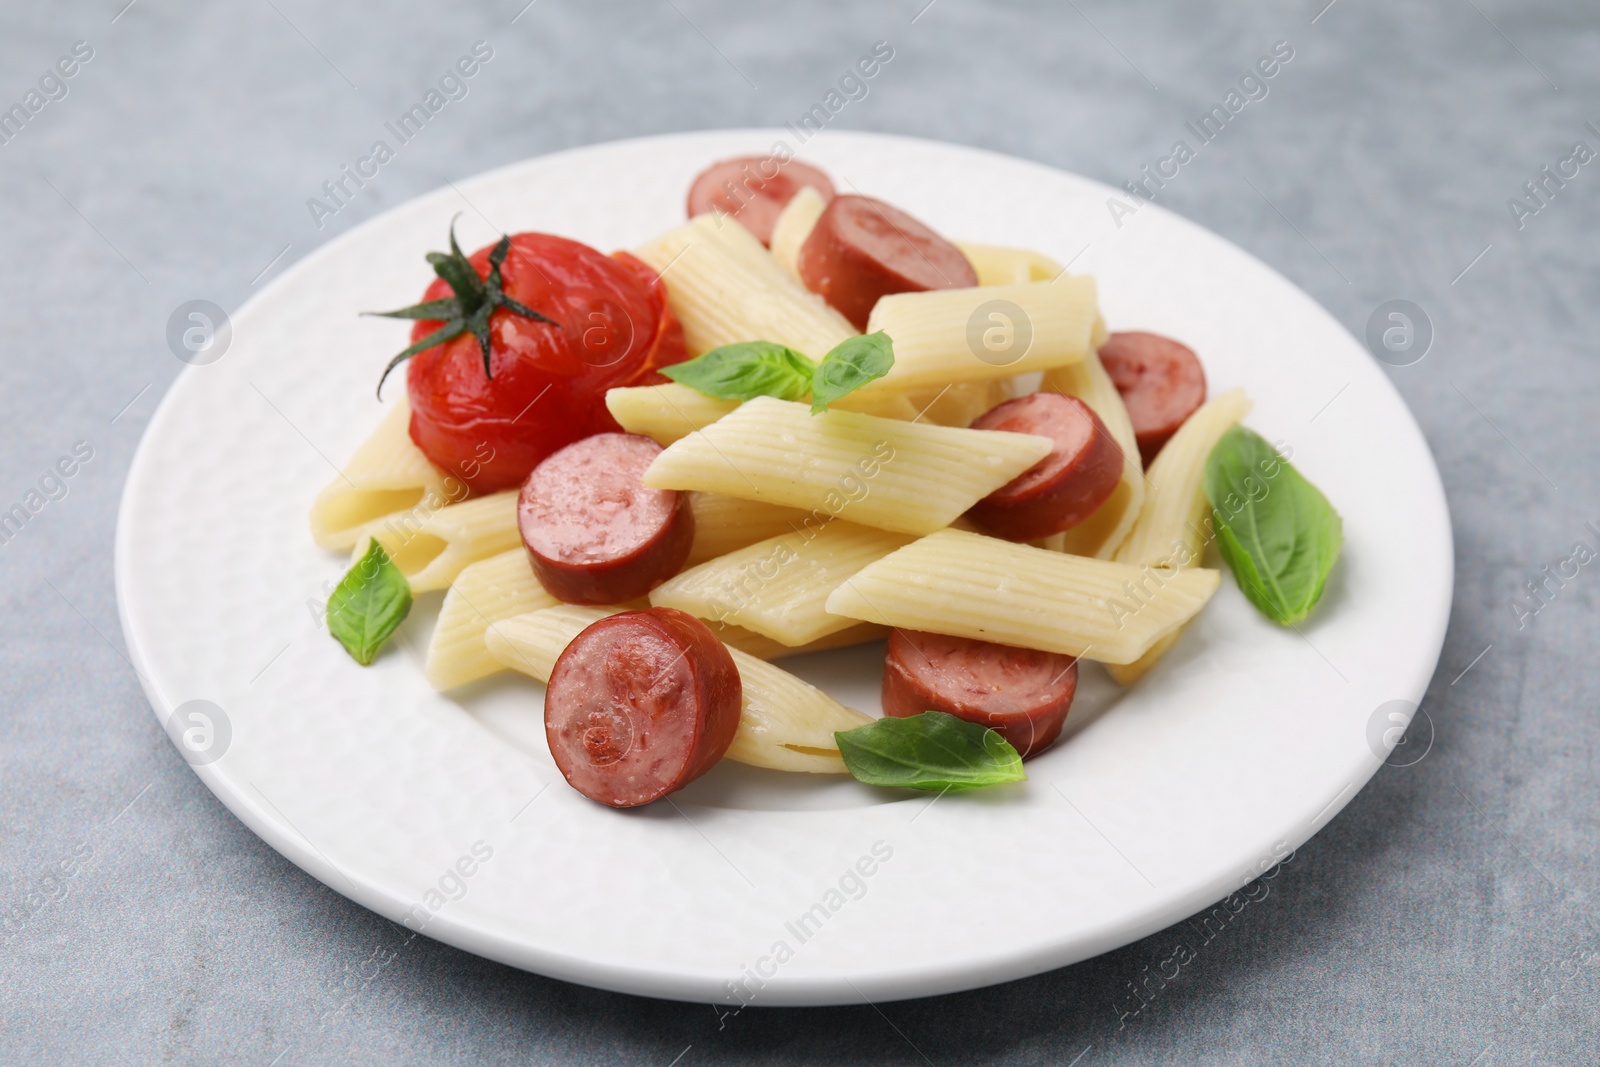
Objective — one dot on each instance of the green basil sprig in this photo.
(933, 751)
(368, 604)
(749, 369)
(854, 362)
(1277, 531)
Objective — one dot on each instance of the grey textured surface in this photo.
(1446, 916)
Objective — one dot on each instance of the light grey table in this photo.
(1444, 917)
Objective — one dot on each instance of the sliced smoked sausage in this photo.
(641, 704)
(1064, 488)
(1021, 694)
(754, 190)
(1161, 382)
(861, 249)
(594, 533)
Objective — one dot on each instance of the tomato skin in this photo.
(548, 383)
(669, 347)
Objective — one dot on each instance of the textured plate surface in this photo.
(447, 812)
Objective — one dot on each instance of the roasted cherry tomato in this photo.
(668, 347)
(545, 384)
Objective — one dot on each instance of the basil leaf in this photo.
(1277, 531)
(745, 371)
(368, 604)
(853, 363)
(933, 750)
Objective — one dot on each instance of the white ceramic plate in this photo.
(1158, 801)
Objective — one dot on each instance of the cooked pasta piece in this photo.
(1175, 500)
(1004, 265)
(1101, 533)
(533, 641)
(665, 412)
(743, 247)
(969, 585)
(387, 474)
(483, 594)
(762, 647)
(785, 724)
(957, 403)
(724, 524)
(884, 405)
(431, 548)
(725, 287)
(957, 335)
(893, 475)
(794, 225)
(1126, 674)
(1172, 530)
(670, 412)
(777, 587)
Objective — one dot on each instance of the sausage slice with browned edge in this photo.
(641, 704)
(1021, 694)
(754, 190)
(1063, 488)
(594, 533)
(1161, 382)
(861, 249)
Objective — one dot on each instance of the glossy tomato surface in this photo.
(547, 384)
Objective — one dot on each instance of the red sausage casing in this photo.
(641, 704)
(1161, 382)
(1021, 694)
(861, 249)
(754, 190)
(594, 533)
(1061, 490)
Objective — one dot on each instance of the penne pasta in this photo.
(777, 587)
(1175, 500)
(957, 335)
(957, 403)
(1172, 530)
(666, 412)
(1126, 674)
(533, 641)
(483, 594)
(1003, 265)
(724, 524)
(883, 405)
(893, 475)
(1101, 533)
(785, 724)
(432, 548)
(386, 475)
(725, 287)
(794, 225)
(762, 647)
(969, 585)
(671, 412)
